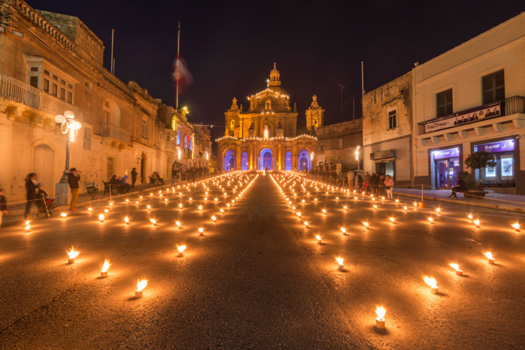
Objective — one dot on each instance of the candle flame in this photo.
(178, 224)
(516, 226)
(318, 238)
(153, 221)
(201, 230)
(141, 284)
(343, 230)
(105, 266)
(181, 248)
(454, 266)
(366, 224)
(214, 218)
(63, 215)
(126, 220)
(90, 209)
(101, 217)
(380, 312)
(392, 219)
(476, 222)
(340, 260)
(72, 253)
(430, 281)
(470, 216)
(489, 255)
(200, 207)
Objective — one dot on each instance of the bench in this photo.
(92, 189)
(474, 193)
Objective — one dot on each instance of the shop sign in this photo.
(446, 153)
(468, 116)
(383, 154)
(493, 147)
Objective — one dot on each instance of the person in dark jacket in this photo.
(32, 187)
(73, 177)
(461, 187)
(133, 177)
(3, 205)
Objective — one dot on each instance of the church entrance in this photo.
(228, 163)
(304, 161)
(266, 159)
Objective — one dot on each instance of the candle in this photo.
(456, 267)
(306, 224)
(126, 220)
(214, 218)
(476, 222)
(141, 284)
(101, 217)
(178, 224)
(516, 226)
(490, 258)
(318, 238)
(63, 214)
(470, 217)
(366, 224)
(343, 230)
(431, 220)
(28, 225)
(392, 220)
(324, 211)
(149, 207)
(340, 261)
(153, 222)
(72, 254)
(438, 210)
(432, 283)
(105, 267)
(200, 207)
(201, 231)
(380, 319)
(181, 249)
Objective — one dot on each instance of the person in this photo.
(125, 187)
(133, 177)
(114, 180)
(32, 185)
(461, 187)
(381, 185)
(73, 178)
(367, 182)
(389, 185)
(3, 205)
(373, 182)
(350, 175)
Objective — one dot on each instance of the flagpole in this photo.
(176, 72)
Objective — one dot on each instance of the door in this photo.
(43, 166)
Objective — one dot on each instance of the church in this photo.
(266, 136)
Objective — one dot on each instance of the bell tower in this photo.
(314, 115)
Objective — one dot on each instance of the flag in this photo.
(181, 75)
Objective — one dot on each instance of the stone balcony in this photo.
(113, 135)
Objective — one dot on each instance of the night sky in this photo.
(230, 46)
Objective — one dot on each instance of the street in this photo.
(258, 278)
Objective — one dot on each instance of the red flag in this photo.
(181, 74)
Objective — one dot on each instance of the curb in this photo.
(470, 204)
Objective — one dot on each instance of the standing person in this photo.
(367, 182)
(32, 186)
(73, 178)
(389, 185)
(350, 176)
(3, 205)
(133, 177)
(381, 185)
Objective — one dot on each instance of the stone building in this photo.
(52, 63)
(265, 136)
(202, 149)
(337, 144)
(469, 99)
(387, 129)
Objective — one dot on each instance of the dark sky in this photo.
(230, 46)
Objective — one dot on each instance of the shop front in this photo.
(445, 167)
(385, 162)
(503, 173)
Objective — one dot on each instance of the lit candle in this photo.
(141, 284)
(324, 211)
(153, 222)
(415, 204)
(432, 283)
(72, 254)
(126, 220)
(340, 261)
(101, 217)
(456, 267)
(111, 204)
(516, 226)
(366, 224)
(299, 214)
(181, 249)
(345, 207)
(375, 206)
(222, 211)
(180, 206)
(106, 211)
(397, 200)
(213, 218)
(490, 258)
(343, 230)
(28, 225)
(476, 222)
(201, 231)
(405, 208)
(105, 268)
(392, 219)
(470, 217)
(200, 207)
(63, 214)
(306, 224)
(318, 238)
(380, 319)
(438, 210)
(149, 207)
(431, 220)
(127, 200)
(90, 210)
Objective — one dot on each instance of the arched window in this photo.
(232, 125)
(268, 105)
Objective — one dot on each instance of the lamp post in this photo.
(69, 127)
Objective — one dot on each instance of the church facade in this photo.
(266, 136)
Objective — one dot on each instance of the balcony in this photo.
(494, 118)
(14, 90)
(114, 135)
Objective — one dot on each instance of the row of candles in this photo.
(430, 281)
(143, 283)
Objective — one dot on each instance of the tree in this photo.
(480, 160)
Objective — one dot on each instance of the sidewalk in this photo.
(492, 200)
(16, 212)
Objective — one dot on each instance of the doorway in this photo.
(43, 166)
(143, 168)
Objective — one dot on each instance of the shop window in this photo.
(444, 103)
(493, 87)
(392, 119)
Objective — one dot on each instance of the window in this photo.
(70, 97)
(493, 87)
(321, 147)
(54, 90)
(145, 129)
(62, 94)
(34, 69)
(46, 86)
(232, 124)
(392, 119)
(444, 103)
(268, 105)
(46, 72)
(87, 139)
(33, 81)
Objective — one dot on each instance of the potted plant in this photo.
(478, 161)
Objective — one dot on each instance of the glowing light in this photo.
(470, 217)
(490, 258)
(432, 283)
(105, 268)
(392, 219)
(63, 214)
(380, 319)
(178, 224)
(340, 262)
(153, 222)
(201, 231)
(343, 230)
(438, 210)
(149, 207)
(28, 225)
(476, 222)
(126, 220)
(431, 220)
(90, 209)
(366, 224)
(101, 217)
(200, 207)
(324, 211)
(214, 218)
(516, 226)
(455, 266)
(181, 249)
(318, 238)
(141, 284)
(72, 254)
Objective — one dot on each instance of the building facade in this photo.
(387, 129)
(337, 145)
(471, 99)
(266, 136)
(52, 63)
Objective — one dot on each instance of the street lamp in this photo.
(357, 148)
(69, 127)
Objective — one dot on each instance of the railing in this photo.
(109, 130)
(15, 90)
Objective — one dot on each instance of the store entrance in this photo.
(447, 172)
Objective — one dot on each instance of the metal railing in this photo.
(116, 132)
(15, 90)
